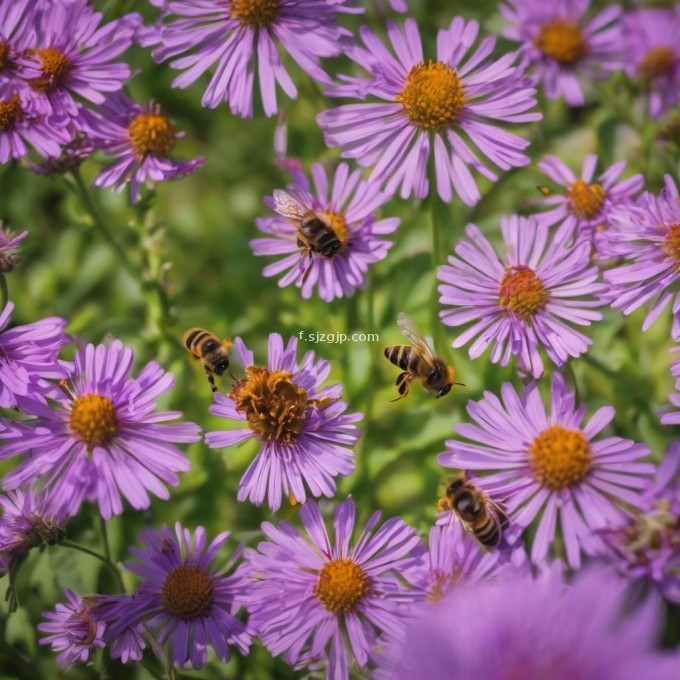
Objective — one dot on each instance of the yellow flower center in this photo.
(560, 458)
(4, 53)
(255, 13)
(337, 223)
(586, 200)
(433, 96)
(671, 243)
(151, 133)
(658, 62)
(522, 292)
(188, 592)
(341, 586)
(10, 111)
(561, 40)
(55, 66)
(273, 404)
(93, 419)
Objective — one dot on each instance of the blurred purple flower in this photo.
(16, 20)
(396, 5)
(525, 301)
(105, 439)
(305, 437)
(186, 602)
(9, 245)
(586, 204)
(551, 465)
(313, 599)
(349, 206)
(233, 36)
(563, 45)
(452, 101)
(652, 40)
(140, 139)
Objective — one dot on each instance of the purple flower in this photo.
(72, 629)
(305, 437)
(652, 40)
(586, 204)
(123, 635)
(526, 300)
(648, 235)
(234, 36)
(551, 465)
(188, 604)
(72, 156)
(16, 19)
(454, 102)
(28, 355)
(105, 438)
(349, 207)
(647, 549)
(140, 139)
(563, 45)
(309, 594)
(9, 245)
(521, 628)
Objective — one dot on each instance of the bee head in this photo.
(221, 366)
(444, 390)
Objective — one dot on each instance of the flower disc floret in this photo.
(341, 586)
(93, 419)
(433, 95)
(10, 111)
(658, 63)
(4, 54)
(255, 13)
(560, 458)
(522, 292)
(562, 40)
(188, 592)
(55, 66)
(671, 243)
(151, 133)
(586, 200)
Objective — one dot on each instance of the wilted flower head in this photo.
(304, 433)
(72, 156)
(348, 207)
(550, 464)
(564, 45)
(525, 300)
(454, 102)
(9, 245)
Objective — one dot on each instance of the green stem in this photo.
(150, 670)
(3, 291)
(105, 538)
(435, 226)
(110, 565)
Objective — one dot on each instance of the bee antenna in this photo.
(461, 384)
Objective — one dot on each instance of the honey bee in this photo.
(483, 518)
(213, 353)
(418, 360)
(315, 236)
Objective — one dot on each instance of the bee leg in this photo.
(403, 384)
(211, 379)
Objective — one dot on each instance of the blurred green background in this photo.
(193, 234)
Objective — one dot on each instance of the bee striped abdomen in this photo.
(488, 534)
(193, 339)
(404, 356)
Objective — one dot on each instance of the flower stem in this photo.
(4, 293)
(435, 226)
(110, 565)
(105, 538)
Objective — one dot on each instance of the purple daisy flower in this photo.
(306, 437)
(9, 245)
(105, 438)
(551, 464)
(309, 594)
(525, 301)
(233, 35)
(72, 54)
(349, 207)
(452, 103)
(588, 204)
(647, 549)
(525, 628)
(563, 45)
(73, 630)
(652, 40)
(648, 235)
(28, 355)
(123, 635)
(189, 605)
(16, 19)
(140, 139)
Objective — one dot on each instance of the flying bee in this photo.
(315, 236)
(483, 518)
(418, 361)
(213, 353)
(546, 191)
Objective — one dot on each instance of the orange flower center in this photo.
(93, 419)
(561, 40)
(4, 53)
(522, 292)
(433, 96)
(151, 133)
(586, 200)
(55, 66)
(10, 111)
(341, 586)
(658, 62)
(671, 243)
(255, 13)
(560, 458)
(188, 592)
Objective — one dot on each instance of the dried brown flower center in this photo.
(93, 419)
(560, 458)
(188, 592)
(671, 243)
(55, 67)
(586, 200)
(433, 96)
(4, 53)
(658, 62)
(337, 223)
(10, 111)
(273, 404)
(655, 530)
(562, 40)
(255, 13)
(522, 292)
(151, 133)
(341, 586)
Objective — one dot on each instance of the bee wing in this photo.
(415, 336)
(288, 205)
